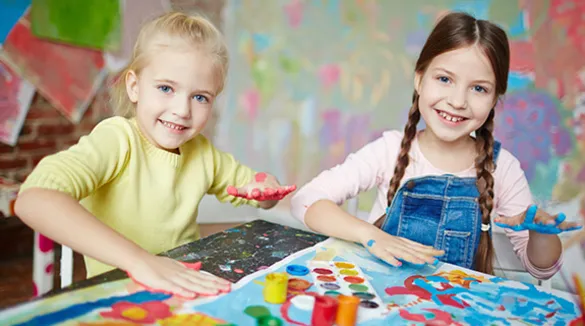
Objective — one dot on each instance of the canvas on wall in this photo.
(312, 81)
(67, 76)
(15, 97)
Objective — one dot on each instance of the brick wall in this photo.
(46, 131)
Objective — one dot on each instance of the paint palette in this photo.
(335, 277)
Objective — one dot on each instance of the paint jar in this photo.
(275, 288)
(324, 311)
(268, 321)
(347, 310)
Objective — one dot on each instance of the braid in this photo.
(402, 161)
(484, 164)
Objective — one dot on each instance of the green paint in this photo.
(358, 287)
(89, 23)
(332, 293)
(269, 321)
(257, 311)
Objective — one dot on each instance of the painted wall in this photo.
(312, 81)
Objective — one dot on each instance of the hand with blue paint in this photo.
(537, 220)
(395, 250)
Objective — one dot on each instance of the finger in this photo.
(195, 284)
(570, 226)
(255, 193)
(409, 256)
(560, 218)
(530, 214)
(269, 192)
(517, 227)
(173, 288)
(511, 221)
(232, 190)
(387, 257)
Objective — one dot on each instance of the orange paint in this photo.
(347, 310)
(353, 279)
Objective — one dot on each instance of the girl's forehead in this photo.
(467, 61)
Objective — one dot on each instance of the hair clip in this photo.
(485, 227)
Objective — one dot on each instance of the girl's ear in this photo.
(132, 86)
(417, 81)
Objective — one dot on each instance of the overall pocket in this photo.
(420, 217)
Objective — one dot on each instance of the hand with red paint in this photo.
(162, 274)
(265, 189)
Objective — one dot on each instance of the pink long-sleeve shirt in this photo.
(373, 166)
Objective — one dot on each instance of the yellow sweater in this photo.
(149, 195)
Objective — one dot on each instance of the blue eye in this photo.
(165, 88)
(200, 98)
(479, 89)
(444, 79)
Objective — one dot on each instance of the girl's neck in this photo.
(452, 157)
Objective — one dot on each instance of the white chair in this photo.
(43, 262)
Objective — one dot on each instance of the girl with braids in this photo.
(439, 186)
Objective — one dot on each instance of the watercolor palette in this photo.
(336, 277)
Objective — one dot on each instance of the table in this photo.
(231, 254)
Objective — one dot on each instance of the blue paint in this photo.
(297, 270)
(518, 80)
(371, 242)
(81, 309)
(10, 13)
(478, 8)
(261, 42)
(518, 28)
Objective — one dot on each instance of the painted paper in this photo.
(68, 77)
(15, 97)
(89, 23)
(444, 294)
(10, 13)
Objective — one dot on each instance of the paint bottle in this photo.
(347, 310)
(268, 321)
(275, 288)
(324, 311)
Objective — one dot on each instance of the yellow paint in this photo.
(108, 323)
(344, 265)
(196, 319)
(325, 254)
(276, 288)
(349, 272)
(135, 313)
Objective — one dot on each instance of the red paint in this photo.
(322, 271)
(239, 271)
(260, 177)
(49, 269)
(326, 278)
(297, 284)
(324, 311)
(353, 279)
(35, 289)
(45, 244)
(438, 317)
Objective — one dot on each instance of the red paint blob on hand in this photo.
(232, 190)
(260, 177)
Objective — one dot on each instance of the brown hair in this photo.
(454, 31)
(170, 30)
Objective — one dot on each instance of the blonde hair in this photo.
(195, 31)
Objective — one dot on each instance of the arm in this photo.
(316, 204)
(49, 199)
(539, 253)
(322, 196)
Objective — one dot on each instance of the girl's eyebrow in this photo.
(479, 81)
(196, 91)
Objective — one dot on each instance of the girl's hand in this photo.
(395, 249)
(537, 220)
(265, 187)
(162, 274)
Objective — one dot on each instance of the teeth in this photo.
(172, 125)
(449, 118)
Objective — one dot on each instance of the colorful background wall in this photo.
(312, 81)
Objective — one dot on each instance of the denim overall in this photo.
(439, 211)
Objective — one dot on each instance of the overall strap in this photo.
(497, 147)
